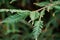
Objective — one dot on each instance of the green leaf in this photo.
(34, 15)
(49, 8)
(56, 2)
(7, 30)
(16, 18)
(57, 7)
(57, 14)
(42, 4)
(42, 13)
(14, 28)
(37, 28)
(15, 37)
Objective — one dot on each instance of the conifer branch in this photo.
(13, 10)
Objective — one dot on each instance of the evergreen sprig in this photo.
(35, 17)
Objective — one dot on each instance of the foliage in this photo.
(14, 24)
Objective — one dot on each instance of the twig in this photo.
(47, 6)
(29, 21)
(12, 10)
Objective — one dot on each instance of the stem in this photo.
(48, 6)
(13, 10)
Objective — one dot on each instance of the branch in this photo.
(13, 10)
(51, 4)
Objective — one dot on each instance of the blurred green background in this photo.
(21, 30)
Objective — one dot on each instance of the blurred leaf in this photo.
(16, 18)
(57, 14)
(34, 15)
(56, 2)
(49, 8)
(55, 23)
(15, 37)
(6, 30)
(42, 4)
(37, 28)
(42, 13)
(14, 28)
(57, 7)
